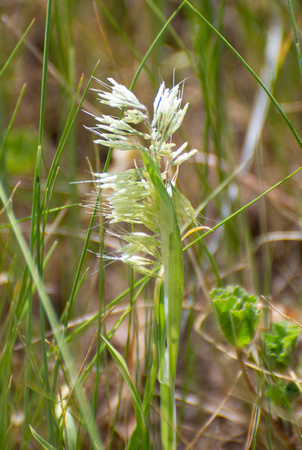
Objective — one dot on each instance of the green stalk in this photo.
(39, 239)
(66, 60)
(101, 299)
(16, 48)
(54, 323)
(156, 40)
(173, 291)
(124, 37)
(297, 44)
(248, 67)
(49, 189)
(243, 208)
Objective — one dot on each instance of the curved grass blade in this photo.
(41, 441)
(248, 67)
(140, 431)
(17, 46)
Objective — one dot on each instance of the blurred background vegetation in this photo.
(245, 147)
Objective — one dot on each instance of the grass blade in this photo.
(248, 67)
(140, 431)
(55, 325)
(41, 441)
(17, 46)
(243, 208)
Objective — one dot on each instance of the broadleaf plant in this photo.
(147, 196)
(237, 314)
(280, 344)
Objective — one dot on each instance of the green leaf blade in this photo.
(140, 430)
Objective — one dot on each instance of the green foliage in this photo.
(237, 314)
(280, 344)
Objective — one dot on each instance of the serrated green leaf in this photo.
(237, 314)
(280, 344)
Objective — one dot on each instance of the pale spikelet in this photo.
(118, 96)
(167, 114)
